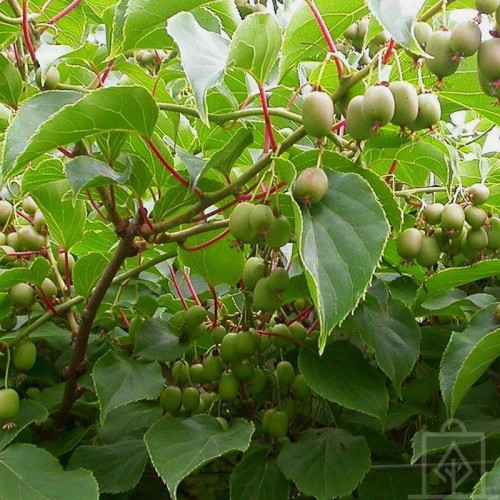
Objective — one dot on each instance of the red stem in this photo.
(391, 171)
(267, 118)
(270, 334)
(125, 321)
(24, 216)
(169, 167)
(177, 286)
(22, 255)
(144, 216)
(389, 50)
(216, 306)
(26, 32)
(312, 327)
(301, 315)
(190, 286)
(106, 71)
(67, 276)
(207, 243)
(95, 205)
(338, 125)
(16, 54)
(61, 14)
(65, 152)
(326, 34)
(47, 303)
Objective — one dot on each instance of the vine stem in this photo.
(326, 34)
(428, 189)
(190, 285)
(389, 50)
(61, 14)
(435, 9)
(169, 167)
(267, 119)
(177, 286)
(208, 243)
(26, 33)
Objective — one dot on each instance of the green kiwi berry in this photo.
(405, 101)
(180, 372)
(282, 335)
(452, 219)
(300, 388)
(285, 373)
(488, 59)
(278, 280)
(465, 39)
(190, 399)
(239, 222)
(228, 350)
(228, 387)
(29, 205)
(298, 331)
(213, 367)
(422, 32)
(30, 239)
(22, 295)
(432, 213)
(261, 217)
(478, 194)
(9, 404)
(195, 316)
(243, 369)
(378, 106)
(6, 210)
(475, 216)
(264, 299)
(487, 6)
(246, 343)
(279, 232)
(429, 112)
(317, 113)
(171, 398)
(493, 232)
(409, 243)
(24, 355)
(257, 382)
(444, 62)
(49, 79)
(217, 334)
(477, 239)
(356, 126)
(311, 185)
(429, 253)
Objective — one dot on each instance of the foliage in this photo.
(248, 250)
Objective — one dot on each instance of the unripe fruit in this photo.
(228, 387)
(5, 211)
(455, 244)
(261, 217)
(355, 125)
(279, 232)
(213, 368)
(378, 106)
(478, 194)
(381, 38)
(209, 398)
(422, 32)
(469, 253)
(30, 239)
(24, 356)
(239, 222)
(49, 288)
(14, 241)
(282, 335)
(22, 295)
(298, 331)
(228, 351)
(409, 243)
(264, 299)
(311, 185)
(195, 316)
(38, 221)
(190, 399)
(243, 370)
(475, 216)
(317, 113)
(5, 117)
(441, 239)
(9, 322)
(491, 89)
(257, 382)
(145, 57)
(171, 398)
(452, 219)
(487, 6)
(61, 263)
(488, 59)
(429, 253)
(277, 424)
(180, 372)
(477, 239)
(3, 239)
(278, 280)
(285, 373)
(444, 62)
(217, 334)
(432, 213)
(50, 80)
(246, 343)
(465, 39)
(351, 32)
(33, 393)
(29, 205)
(429, 112)
(405, 101)
(363, 27)
(196, 373)
(9, 404)
(494, 234)
(300, 388)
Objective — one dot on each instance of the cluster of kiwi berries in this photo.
(355, 36)
(23, 359)
(454, 228)
(448, 48)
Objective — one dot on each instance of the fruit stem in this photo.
(267, 119)
(22, 255)
(190, 286)
(125, 321)
(169, 167)
(65, 152)
(26, 33)
(389, 50)
(326, 34)
(95, 205)
(300, 316)
(338, 125)
(435, 9)
(47, 303)
(61, 14)
(428, 189)
(206, 244)
(177, 286)
(23, 215)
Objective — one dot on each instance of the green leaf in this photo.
(467, 356)
(341, 240)
(203, 56)
(118, 467)
(342, 375)
(11, 84)
(29, 412)
(397, 18)
(30, 472)
(43, 122)
(35, 274)
(489, 485)
(178, 447)
(155, 340)
(257, 477)
(387, 326)
(255, 46)
(42, 171)
(454, 277)
(65, 217)
(88, 269)
(391, 484)
(220, 263)
(120, 380)
(326, 463)
(85, 172)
